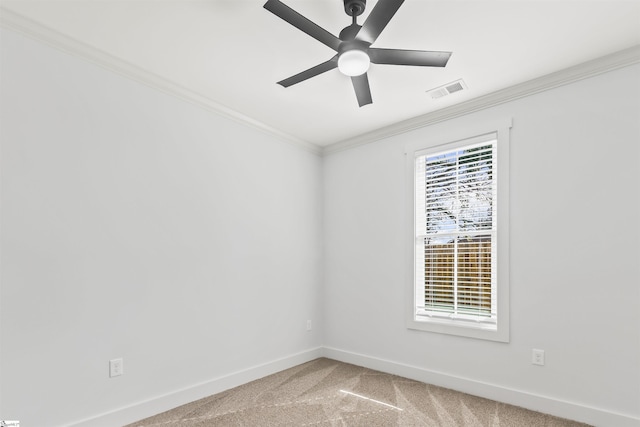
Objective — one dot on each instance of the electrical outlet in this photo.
(308, 325)
(537, 357)
(116, 367)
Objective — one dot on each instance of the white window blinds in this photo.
(456, 220)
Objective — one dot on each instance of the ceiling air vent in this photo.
(447, 89)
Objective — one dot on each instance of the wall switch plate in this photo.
(537, 357)
(116, 367)
(308, 325)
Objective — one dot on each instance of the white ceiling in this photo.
(232, 52)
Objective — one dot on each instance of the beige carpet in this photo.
(325, 392)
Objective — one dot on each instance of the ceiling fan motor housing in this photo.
(349, 33)
(354, 7)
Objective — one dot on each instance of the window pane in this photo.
(475, 188)
(440, 193)
(459, 190)
(474, 275)
(439, 274)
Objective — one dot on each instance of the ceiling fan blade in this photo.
(363, 92)
(311, 72)
(409, 57)
(378, 19)
(300, 22)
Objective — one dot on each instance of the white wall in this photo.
(575, 204)
(135, 225)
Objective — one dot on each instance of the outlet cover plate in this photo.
(116, 367)
(537, 357)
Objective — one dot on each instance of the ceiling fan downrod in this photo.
(354, 8)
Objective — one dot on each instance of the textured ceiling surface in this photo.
(233, 52)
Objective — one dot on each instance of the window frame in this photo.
(498, 331)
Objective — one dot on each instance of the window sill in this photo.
(478, 330)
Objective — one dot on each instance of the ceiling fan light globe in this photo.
(353, 62)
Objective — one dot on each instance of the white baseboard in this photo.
(573, 411)
(158, 404)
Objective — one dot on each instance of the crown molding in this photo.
(35, 30)
(569, 75)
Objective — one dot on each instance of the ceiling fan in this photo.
(353, 46)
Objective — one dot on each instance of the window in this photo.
(459, 237)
